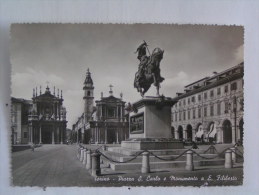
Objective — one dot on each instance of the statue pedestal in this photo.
(150, 125)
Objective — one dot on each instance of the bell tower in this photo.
(88, 96)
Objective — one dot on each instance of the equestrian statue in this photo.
(149, 69)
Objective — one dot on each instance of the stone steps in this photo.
(129, 152)
(123, 158)
(163, 164)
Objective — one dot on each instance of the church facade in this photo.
(104, 123)
(47, 119)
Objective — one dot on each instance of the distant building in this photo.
(20, 109)
(103, 123)
(47, 119)
(211, 109)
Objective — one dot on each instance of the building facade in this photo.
(103, 123)
(47, 119)
(211, 109)
(20, 109)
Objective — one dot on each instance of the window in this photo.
(111, 112)
(193, 113)
(211, 110)
(211, 93)
(226, 107)
(193, 99)
(189, 115)
(180, 103)
(199, 113)
(233, 86)
(180, 117)
(88, 93)
(226, 89)
(199, 97)
(184, 102)
(205, 111)
(175, 116)
(184, 117)
(219, 91)
(205, 95)
(25, 134)
(172, 117)
(188, 100)
(219, 108)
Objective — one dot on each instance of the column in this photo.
(52, 136)
(176, 134)
(105, 132)
(101, 111)
(218, 135)
(193, 135)
(99, 133)
(95, 135)
(121, 112)
(40, 135)
(233, 135)
(61, 134)
(30, 134)
(117, 131)
(185, 134)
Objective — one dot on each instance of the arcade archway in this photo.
(241, 130)
(227, 131)
(189, 132)
(180, 132)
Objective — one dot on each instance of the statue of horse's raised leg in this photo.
(157, 90)
(156, 83)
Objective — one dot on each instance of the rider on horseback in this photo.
(143, 58)
(148, 70)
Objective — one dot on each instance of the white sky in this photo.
(61, 54)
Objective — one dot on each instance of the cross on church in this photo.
(110, 87)
(110, 92)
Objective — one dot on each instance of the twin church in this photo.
(103, 121)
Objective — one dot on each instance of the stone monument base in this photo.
(152, 144)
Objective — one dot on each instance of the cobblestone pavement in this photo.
(57, 165)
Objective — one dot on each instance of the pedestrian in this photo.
(194, 145)
(32, 147)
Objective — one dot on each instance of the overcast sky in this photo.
(61, 54)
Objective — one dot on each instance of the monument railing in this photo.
(231, 153)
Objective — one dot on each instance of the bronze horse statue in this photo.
(149, 70)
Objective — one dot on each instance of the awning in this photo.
(213, 132)
(199, 133)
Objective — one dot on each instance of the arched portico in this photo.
(241, 130)
(180, 132)
(227, 131)
(189, 132)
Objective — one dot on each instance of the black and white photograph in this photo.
(126, 105)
